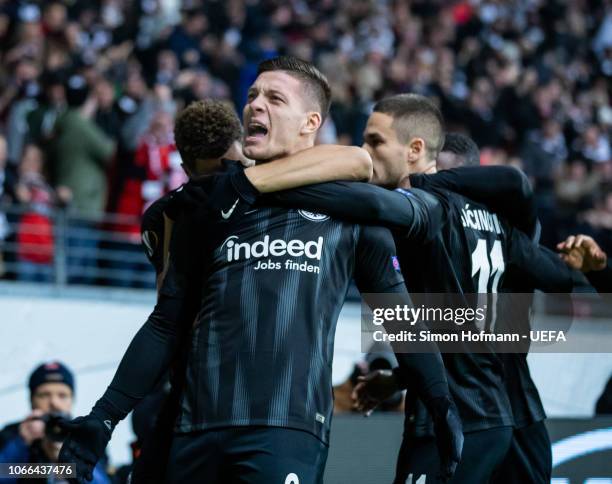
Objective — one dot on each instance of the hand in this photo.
(32, 428)
(85, 445)
(23, 193)
(163, 93)
(64, 194)
(373, 389)
(449, 434)
(582, 253)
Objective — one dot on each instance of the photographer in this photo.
(38, 438)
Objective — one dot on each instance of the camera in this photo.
(54, 429)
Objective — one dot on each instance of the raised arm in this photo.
(582, 253)
(542, 268)
(411, 213)
(319, 164)
(503, 189)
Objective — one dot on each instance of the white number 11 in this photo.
(486, 270)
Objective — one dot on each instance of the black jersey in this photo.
(459, 248)
(524, 397)
(468, 256)
(466, 250)
(267, 286)
(601, 280)
(273, 282)
(152, 225)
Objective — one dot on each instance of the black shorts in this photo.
(247, 455)
(483, 452)
(529, 458)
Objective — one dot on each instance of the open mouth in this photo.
(256, 130)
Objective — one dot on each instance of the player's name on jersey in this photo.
(479, 219)
(467, 336)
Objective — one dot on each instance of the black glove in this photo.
(449, 434)
(85, 444)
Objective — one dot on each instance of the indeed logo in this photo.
(274, 248)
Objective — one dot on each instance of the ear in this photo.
(416, 150)
(312, 124)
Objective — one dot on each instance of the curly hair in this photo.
(205, 130)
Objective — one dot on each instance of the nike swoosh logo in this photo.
(228, 214)
(108, 424)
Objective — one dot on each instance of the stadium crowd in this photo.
(91, 88)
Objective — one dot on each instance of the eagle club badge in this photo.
(312, 216)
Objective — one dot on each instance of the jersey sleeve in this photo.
(377, 267)
(152, 233)
(601, 280)
(377, 270)
(411, 213)
(503, 189)
(185, 258)
(541, 268)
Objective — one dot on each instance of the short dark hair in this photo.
(464, 146)
(415, 116)
(315, 81)
(205, 130)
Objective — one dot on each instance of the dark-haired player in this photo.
(477, 255)
(268, 286)
(529, 458)
(458, 150)
(404, 135)
(207, 132)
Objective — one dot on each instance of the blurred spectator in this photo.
(37, 439)
(80, 153)
(529, 81)
(79, 156)
(35, 228)
(599, 221)
(156, 171)
(594, 145)
(107, 115)
(577, 186)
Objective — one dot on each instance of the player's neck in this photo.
(309, 143)
(207, 167)
(405, 179)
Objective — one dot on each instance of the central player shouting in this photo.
(258, 400)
